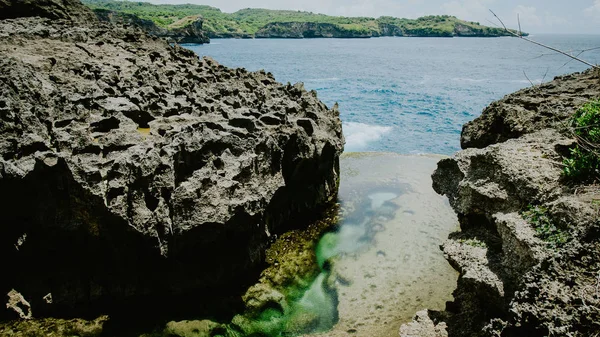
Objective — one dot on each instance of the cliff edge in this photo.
(529, 244)
(137, 178)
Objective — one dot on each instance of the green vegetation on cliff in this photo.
(584, 162)
(545, 228)
(284, 23)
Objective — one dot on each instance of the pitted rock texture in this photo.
(531, 109)
(514, 282)
(71, 10)
(136, 176)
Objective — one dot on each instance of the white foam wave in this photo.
(358, 135)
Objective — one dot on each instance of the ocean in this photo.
(407, 95)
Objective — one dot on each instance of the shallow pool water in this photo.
(379, 265)
(384, 258)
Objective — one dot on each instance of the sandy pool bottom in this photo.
(388, 262)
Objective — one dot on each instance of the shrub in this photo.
(544, 227)
(583, 164)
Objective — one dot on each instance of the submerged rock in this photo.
(136, 177)
(423, 326)
(514, 281)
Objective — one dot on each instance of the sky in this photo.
(536, 16)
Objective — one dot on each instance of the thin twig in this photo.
(543, 45)
(546, 73)
(519, 21)
(527, 77)
(597, 283)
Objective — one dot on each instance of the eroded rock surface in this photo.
(530, 110)
(136, 176)
(71, 10)
(514, 281)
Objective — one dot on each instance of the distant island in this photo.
(198, 23)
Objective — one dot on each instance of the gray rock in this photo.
(143, 177)
(530, 110)
(513, 280)
(71, 10)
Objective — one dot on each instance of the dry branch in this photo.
(520, 35)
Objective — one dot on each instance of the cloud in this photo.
(467, 9)
(593, 11)
(554, 20)
(528, 16)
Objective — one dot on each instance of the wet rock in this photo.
(18, 304)
(122, 168)
(193, 329)
(53, 327)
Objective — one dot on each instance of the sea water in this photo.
(407, 95)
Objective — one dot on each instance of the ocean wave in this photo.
(358, 135)
(535, 81)
(477, 80)
(330, 79)
(469, 80)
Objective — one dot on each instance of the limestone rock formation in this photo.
(71, 10)
(299, 30)
(514, 281)
(137, 177)
(530, 110)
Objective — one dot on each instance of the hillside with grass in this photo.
(264, 23)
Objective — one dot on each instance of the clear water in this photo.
(406, 95)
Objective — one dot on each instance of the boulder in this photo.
(136, 177)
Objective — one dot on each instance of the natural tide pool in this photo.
(374, 268)
(387, 262)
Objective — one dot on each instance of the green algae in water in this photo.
(310, 306)
(327, 248)
(314, 311)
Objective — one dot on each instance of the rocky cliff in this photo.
(191, 33)
(137, 178)
(529, 245)
(299, 30)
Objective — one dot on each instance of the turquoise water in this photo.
(406, 95)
